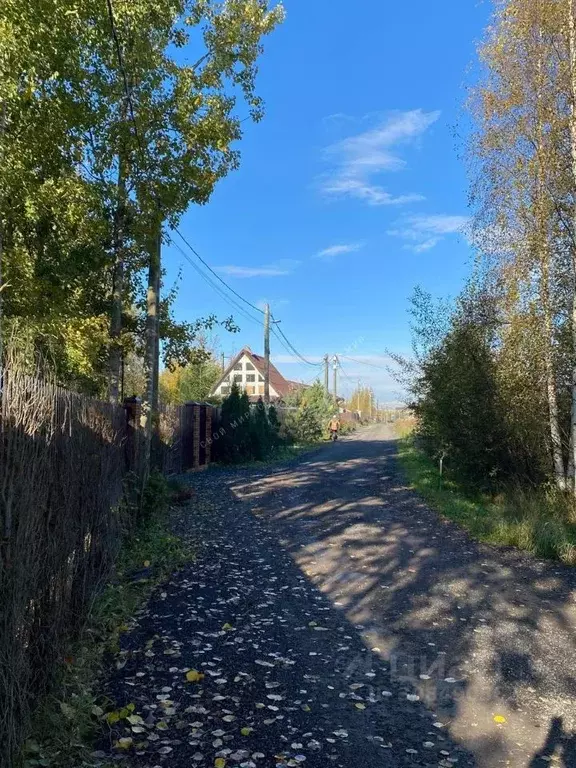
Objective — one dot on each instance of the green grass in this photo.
(277, 456)
(542, 522)
(66, 722)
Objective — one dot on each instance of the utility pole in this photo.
(335, 362)
(327, 374)
(358, 397)
(267, 354)
(223, 364)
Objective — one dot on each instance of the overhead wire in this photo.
(128, 94)
(363, 362)
(343, 372)
(280, 335)
(279, 339)
(215, 287)
(293, 348)
(216, 275)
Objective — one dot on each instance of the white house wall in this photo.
(247, 377)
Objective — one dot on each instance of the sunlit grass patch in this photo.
(540, 521)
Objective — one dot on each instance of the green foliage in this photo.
(308, 424)
(362, 401)
(233, 443)
(468, 397)
(541, 521)
(245, 433)
(260, 432)
(275, 426)
(155, 497)
(191, 383)
(67, 721)
(460, 411)
(80, 194)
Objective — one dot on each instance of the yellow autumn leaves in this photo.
(193, 676)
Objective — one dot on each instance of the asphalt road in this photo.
(338, 621)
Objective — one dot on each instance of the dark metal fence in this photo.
(63, 462)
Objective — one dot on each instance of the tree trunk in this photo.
(150, 403)
(2, 131)
(551, 391)
(572, 57)
(115, 357)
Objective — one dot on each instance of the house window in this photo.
(224, 390)
(251, 389)
(238, 367)
(260, 389)
(249, 367)
(238, 378)
(260, 378)
(250, 377)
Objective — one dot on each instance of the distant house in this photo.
(247, 371)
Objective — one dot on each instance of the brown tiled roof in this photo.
(281, 385)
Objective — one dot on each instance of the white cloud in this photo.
(337, 250)
(278, 269)
(358, 159)
(422, 233)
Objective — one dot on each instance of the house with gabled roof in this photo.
(247, 371)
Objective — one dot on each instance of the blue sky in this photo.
(352, 190)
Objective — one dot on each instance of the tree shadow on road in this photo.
(558, 744)
(477, 630)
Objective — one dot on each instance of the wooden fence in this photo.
(63, 463)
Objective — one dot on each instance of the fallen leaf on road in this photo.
(124, 743)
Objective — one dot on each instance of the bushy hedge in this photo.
(309, 423)
(246, 434)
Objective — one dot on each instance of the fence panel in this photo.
(62, 462)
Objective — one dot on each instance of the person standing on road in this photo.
(334, 427)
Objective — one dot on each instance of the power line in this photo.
(295, 351)
(213, 285)
(216, 275)
(291, 351)
(363, 362)
(343, 372)
(280, 340)
(128, 93)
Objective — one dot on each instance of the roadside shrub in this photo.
(248, 434)
(155, 497)
(309, 423)
(538, 520)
